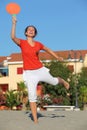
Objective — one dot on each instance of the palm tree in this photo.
(23, 94)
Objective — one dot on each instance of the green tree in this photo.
(83, 95)
(83, 77)
(11, 99)
(22, 90)
(77, 81)
(73, 88)
(58, 69)
(23, 94)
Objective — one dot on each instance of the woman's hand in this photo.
(60, 58)
(14, 20)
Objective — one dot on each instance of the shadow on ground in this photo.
(40, 115)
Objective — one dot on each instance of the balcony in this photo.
(3, 72)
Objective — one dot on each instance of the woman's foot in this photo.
(33, 107)
(35, 121)
(65, 83)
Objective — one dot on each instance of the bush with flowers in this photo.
(44, 100)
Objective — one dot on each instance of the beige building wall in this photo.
(4, 80)
(14, 78)
(77, 66)
(85, 61)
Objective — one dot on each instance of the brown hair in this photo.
(28, 27)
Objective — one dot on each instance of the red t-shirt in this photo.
(30, 55)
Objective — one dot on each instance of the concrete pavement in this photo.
(48, 120)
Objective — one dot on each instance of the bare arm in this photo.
(52, 53)
(13, 31)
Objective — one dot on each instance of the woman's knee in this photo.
(32, 97)
(55, 81)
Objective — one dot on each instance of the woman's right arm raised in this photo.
(13, 31)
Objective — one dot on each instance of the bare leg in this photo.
(33, 107)
(62, 81)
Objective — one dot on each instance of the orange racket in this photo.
(13, 8)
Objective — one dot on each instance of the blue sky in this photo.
(61, 24)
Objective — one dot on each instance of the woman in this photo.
(34, 71)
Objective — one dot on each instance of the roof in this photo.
(2, 58)
(74, 54)
(15, 57)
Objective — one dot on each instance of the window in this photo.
(71, 68)
(4, 87)
(3, 71)
(19, 70)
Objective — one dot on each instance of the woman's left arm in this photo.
(52, 53)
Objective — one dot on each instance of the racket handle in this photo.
(14, 15)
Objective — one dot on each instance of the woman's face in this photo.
(30, 32)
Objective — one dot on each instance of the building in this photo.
(11, 67)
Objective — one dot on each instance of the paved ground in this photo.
(48, 120)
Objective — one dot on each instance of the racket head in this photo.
(13, 8)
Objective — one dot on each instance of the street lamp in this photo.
(75, 71)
